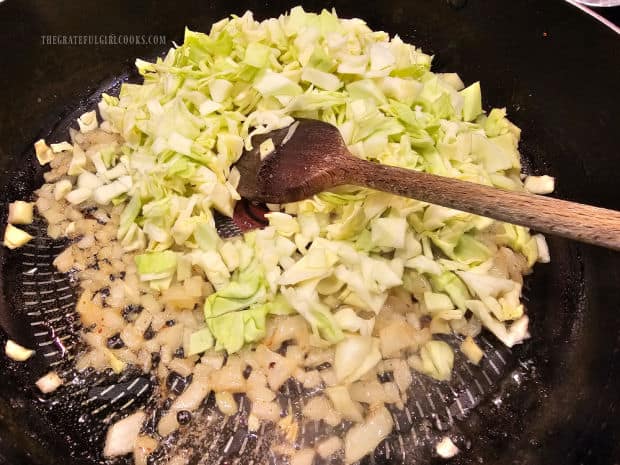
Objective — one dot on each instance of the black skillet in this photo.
(556, 70)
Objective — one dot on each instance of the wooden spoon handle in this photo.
(576, 221)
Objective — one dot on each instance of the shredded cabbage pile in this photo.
(334, 258)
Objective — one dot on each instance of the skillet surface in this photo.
(555, 70)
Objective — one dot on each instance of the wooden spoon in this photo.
(311, 157)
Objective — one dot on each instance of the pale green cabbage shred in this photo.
(200, 106)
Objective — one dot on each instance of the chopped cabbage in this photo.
(437, 359)
(355, 356)
(156, 265)
(337, 256)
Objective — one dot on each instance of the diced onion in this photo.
(445, 448)
(362, 438)
(226, 403)
(329, 446)
(17, 352)
(49, 383)
(122, 435)
(471, 350)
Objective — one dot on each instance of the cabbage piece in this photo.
(496, 123)
(436, 217)
(401, 90)
(472, 104)
(449, 283)
(316, 264)
(285, 224)
(128, 216)
(519, 239)
(200, 341)
(389, 232)
(510, 335)
(156, 265)
(305, 300)
(257, 54)
(236, 314)
(233, 330)
(206, 235)
(198, 46)
(355, 356)
(437, 359)
(321, 79)
(348, 320)
(88, 121)
(439, 98)
(133, 239)
(247, 289)
(542, 248)
(486, 285)
(213, 266)
(270, 83)
(435, 302)
(471, 251)
(381, 56)
(424, 264)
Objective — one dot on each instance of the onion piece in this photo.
(363, 438)
(192, 396)
(49, 383)
(229, 377)
(436, 360)
(289, 428)
(342, 402)
(266, 410)
(16, 352)
(145, 445)
(369, 392)
(471, 350)
(122, 435)
(65, 260)
(329, 446)
(309, 379)
(395, 337)
(303, 457)
(319, 408)
(168, 423)
(289, 328)
(20, 212)
(400, 370)
(446, 449)
(278, 368)
(226, 403)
